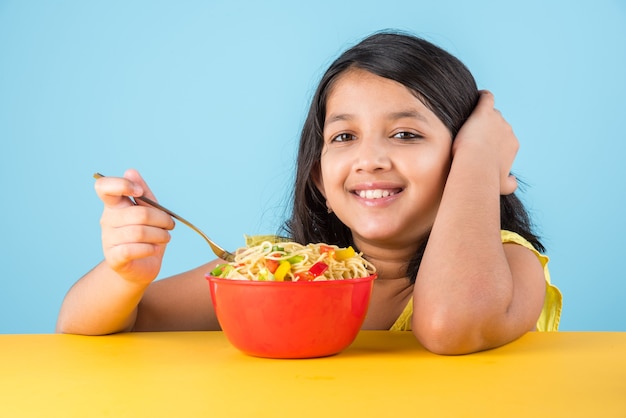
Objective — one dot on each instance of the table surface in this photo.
(383, 373)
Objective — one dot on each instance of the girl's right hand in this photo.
(491, 138)
(133, 236)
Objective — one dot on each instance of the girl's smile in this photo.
(376, 193)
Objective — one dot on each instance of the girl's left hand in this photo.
(490, 135)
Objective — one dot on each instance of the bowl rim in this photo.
(341, 282)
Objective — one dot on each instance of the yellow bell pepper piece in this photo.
(283, 268)
(344, 254)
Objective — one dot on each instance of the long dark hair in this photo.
(438, 79)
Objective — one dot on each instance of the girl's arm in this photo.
(472, 292)
(102, 302)
(118, 294)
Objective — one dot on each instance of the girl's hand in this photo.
(489, 135)
(133, 236)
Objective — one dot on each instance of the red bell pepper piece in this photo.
(304, 276)
(271, 264)
(314, 271)
(318, 268)
(327, 249)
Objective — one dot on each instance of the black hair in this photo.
(440, 80)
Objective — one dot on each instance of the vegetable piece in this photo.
(304, 276)
(221, 270)
(344, 254)
(339, 254)
(318, 268)
(296, 259)
(282, 270)
(271, 264)
(265, 275)
(328, 250)
(217, 270)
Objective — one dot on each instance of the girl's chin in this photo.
(386, 235)
(373, 236)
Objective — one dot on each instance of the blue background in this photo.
(206, 99)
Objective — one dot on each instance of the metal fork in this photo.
(217, 250)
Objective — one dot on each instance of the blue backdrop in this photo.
(206, 99)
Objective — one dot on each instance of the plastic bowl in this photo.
(291, 319)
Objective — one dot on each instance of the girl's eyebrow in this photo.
(337, 118)
(403, 114)
(410, 114)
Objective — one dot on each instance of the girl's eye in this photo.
(343, 137)
(406, 136)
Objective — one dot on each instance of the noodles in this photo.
(290, 261)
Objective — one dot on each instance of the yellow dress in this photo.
(550, 314)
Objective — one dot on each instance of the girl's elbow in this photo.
(448, 337)
(63, 325)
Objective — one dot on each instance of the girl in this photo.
(401, 157)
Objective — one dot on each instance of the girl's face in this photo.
(384, 162)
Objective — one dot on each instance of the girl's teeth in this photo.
(374, 194)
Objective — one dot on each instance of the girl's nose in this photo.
(372, 155)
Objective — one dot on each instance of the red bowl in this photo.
(291, 319)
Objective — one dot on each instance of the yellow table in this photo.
(383, 374)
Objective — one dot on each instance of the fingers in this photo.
(139, 183)
(488, 135)
(136, 262)
(143, 216)
(486, 105)
(126, 224)
(134, 236)
(133, 242)
(486, 100)
(113, 191)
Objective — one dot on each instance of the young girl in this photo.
(402, 158)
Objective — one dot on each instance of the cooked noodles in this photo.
(290, 261)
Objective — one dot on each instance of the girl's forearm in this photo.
(100, 303)
(464, 281)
